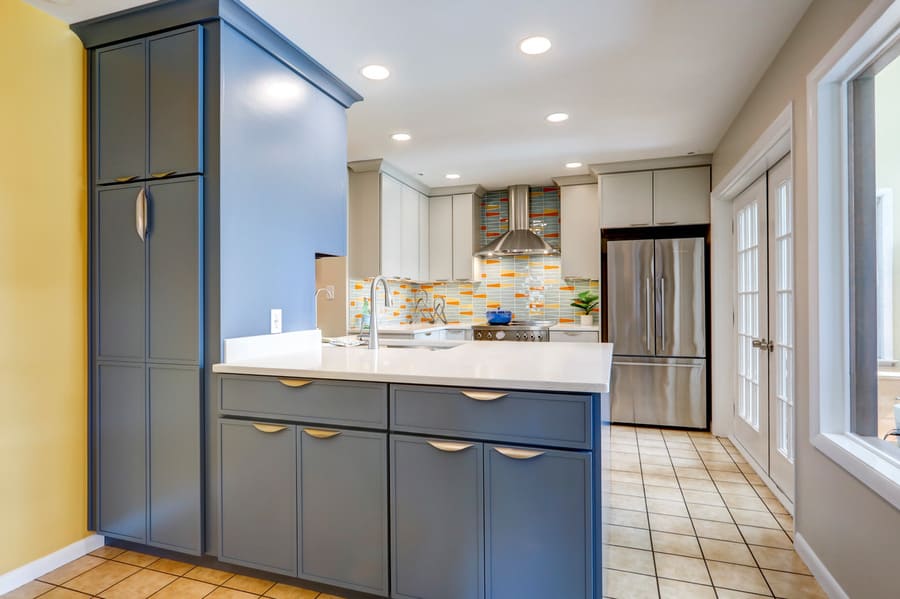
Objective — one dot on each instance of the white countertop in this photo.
(573, 367)
(425, 327)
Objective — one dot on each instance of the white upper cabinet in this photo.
(440, 238)
(388, 228)
(466, 210)
(452, 236)
(626, 199)
(681, 196)
(677, 196)
(579, 212)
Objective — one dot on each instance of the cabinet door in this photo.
(437, 532)
(176, 129)
(175, 271)
(258, 495)
(121, 450)
(681, 196)
(175, 473)
(538, 523)
(424, 239)
(343, 509)
(391, 227)
(580, 232)
(626, 200)
(409, 232)
(121, 111)
(120, 275)
(440, 238)
(464, 221)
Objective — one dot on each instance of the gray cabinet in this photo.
(538, 523)
(122, 441)
(437, 533)
(148, 104)
(343, 508)
(258, 495)
(676, 196)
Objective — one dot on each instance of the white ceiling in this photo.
(640, 78)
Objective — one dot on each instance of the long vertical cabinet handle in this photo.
(518, 454)
(662, 309)
(140, 214)
(647, 310)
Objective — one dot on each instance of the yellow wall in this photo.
(43, 286)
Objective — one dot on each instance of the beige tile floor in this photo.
(689, 519)
(113, 573)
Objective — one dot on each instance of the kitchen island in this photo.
(468, 470)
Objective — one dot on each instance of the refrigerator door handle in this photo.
(647, 308)
(662, 310)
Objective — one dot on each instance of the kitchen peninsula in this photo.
(460, 470)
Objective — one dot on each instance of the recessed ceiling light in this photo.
(534, 45)
(452, 175)
(557, 117)
(574, 165)
(375, 71)
(401, 137)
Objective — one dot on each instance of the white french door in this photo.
(764, 324)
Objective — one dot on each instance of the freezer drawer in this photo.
(659, 392)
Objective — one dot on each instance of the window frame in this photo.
(829, 250)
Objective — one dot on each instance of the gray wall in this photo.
(851, 529)
(283, 188)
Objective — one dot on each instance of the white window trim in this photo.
(885, 239)
(828, 251)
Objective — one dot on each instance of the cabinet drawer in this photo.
(553, 419)
(575, 336)
(317, 401)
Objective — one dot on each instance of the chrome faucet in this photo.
(373, 318)
(439, 305)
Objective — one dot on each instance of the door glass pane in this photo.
(784, 321)
(747, 317)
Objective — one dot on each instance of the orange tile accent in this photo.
(507, 274)
(480, 295)
(567, 320)
(452, 302)
(492, 261)
(551, 267)
(466, 313)
(567, 288)
(465, 293)
(521, 295)
(494, 285)
(493, 305)
(357, 286)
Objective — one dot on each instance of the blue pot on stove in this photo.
(498, 316)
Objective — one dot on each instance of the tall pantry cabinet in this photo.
(168, 153)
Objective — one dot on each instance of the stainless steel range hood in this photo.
(520, 240)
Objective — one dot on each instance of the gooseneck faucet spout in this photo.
(373, 319)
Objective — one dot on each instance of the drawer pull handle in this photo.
(483, 395)
(316, 433)
(449, 445)
(162, 174)
(295, 383)
(268, 428)
(518, 454)
(126, 179)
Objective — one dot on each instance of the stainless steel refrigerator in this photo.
(656, 319)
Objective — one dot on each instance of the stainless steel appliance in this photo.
(517, 330)
(656, 317)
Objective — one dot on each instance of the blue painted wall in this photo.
(283, 188)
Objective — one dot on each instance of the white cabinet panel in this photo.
(580, 231)
(575, 336)
(409, 233)
(440, 238)
(424, 233)
(465, 211)
(626, 199)
(392, 222)
(681, 196)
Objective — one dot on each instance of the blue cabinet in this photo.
(437, 532)
(258, 495)
(538, 523)
(148, 100)
(343, 508)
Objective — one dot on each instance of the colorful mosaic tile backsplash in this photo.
(530, 286)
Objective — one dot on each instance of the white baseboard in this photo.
(784, 499)
(16, 578)
(818, 569)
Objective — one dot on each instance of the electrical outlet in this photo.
(275, 320)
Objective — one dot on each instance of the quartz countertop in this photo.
(572, 367)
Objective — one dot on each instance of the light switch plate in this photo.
(275, 320)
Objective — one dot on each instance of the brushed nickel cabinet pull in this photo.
(668, 222)
(268, 428)
(483, 395)
(294, 382)
(125, 179)
(518, 454)
(316, 433)
(140, 214)
(163, 174)
(449, 446)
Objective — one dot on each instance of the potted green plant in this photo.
(586, 301)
